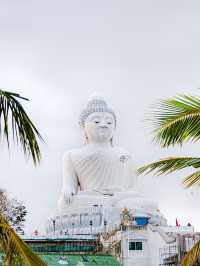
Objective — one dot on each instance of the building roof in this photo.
(79, 260)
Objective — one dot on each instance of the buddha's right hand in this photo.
(68, 197)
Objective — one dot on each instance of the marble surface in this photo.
(102, 176)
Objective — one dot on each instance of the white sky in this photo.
(57, 53)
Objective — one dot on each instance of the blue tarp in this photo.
(141, 220)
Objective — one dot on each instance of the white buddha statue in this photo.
(98, 173)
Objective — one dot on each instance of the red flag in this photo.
(177, 223)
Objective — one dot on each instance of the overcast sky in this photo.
(57, 53)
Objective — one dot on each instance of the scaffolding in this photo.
(74, 246)
(172, 255)
(168, 255)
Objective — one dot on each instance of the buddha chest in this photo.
(102, 168)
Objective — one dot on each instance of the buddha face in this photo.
(99, 127)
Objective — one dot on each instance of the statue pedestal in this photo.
(93, 213)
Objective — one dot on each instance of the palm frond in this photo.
(172, 164)
(169, 165)
(192, 256)
(177, 120)
(193, 179)
(23, 130)
(16, 251)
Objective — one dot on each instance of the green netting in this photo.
(82, 260)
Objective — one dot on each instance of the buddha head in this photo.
(98, 121)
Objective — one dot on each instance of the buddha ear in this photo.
(86, 141)
(111, 141)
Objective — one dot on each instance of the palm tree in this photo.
(192, 257)
(16, 251)
(176, 121)
(13, 117)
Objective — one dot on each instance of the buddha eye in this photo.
(97, 122)
(109, 123)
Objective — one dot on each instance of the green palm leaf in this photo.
(193, 179)
(16, 251)
(171, 164)
(192, 256)
(177, 120)
(23, 130)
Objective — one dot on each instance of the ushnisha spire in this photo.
(96, 103)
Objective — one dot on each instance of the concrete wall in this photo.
(155, 242)
(135, 257)
(149, 256)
